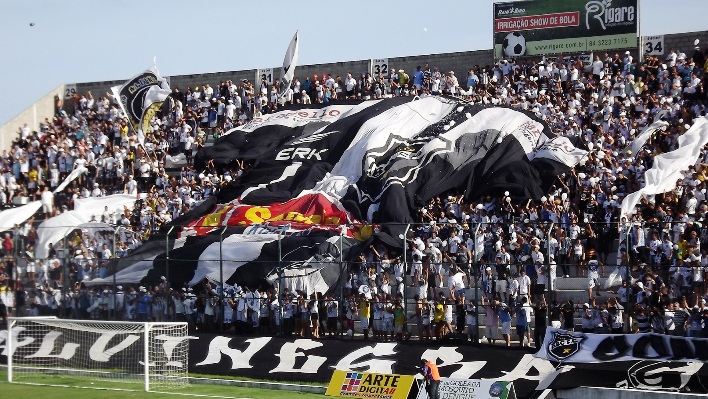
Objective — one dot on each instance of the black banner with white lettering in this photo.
(306, 360)
(576, 347)
(276, 358)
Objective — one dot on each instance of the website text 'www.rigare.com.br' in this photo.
(564, 46)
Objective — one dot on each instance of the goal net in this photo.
(101, 354)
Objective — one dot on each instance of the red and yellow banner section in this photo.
(369, 385)
(305, 212)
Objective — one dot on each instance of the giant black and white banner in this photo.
(141, 97)
(574, 347)
(371, 165)
(275, 358)
(293, 359)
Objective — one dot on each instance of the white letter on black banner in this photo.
(16, 343)
(289, 353)
(374, 364)
(47, 347)
(98, 351)
(239, 360)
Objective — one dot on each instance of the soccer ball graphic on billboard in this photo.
(514, 45)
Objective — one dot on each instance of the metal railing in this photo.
(77, 272)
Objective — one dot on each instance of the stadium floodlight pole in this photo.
(167, 262)
(65, 272)
(640, 40)
(17, 256)
(280, 282)
(115, 271)
(405, 297)
(548, 271)
(221, 277)
(341, 282)
(476, 277)
(628, 276)
(627, 238)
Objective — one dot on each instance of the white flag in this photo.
(643, 137)
(667, 168)
(287, 73)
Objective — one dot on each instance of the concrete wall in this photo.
(459, 62)
(44, 108)
(684, 42)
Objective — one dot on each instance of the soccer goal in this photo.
(100, 354)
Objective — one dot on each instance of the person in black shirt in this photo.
(540, 310)
(51, 251)
(20, 301)
(681, 316)
(568, 312)
(3, 315)
(91, 173)
(460, 313)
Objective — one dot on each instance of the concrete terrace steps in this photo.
(174, 170)
(573, 288)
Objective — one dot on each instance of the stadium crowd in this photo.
(493, 263)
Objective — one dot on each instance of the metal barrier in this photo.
(382, 293)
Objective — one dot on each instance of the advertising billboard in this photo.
(523, 28)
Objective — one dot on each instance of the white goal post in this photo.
(94, 353)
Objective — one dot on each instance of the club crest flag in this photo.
(576, 347)
(563, 344)
(141, 98)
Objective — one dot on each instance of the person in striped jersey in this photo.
(643, 318)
